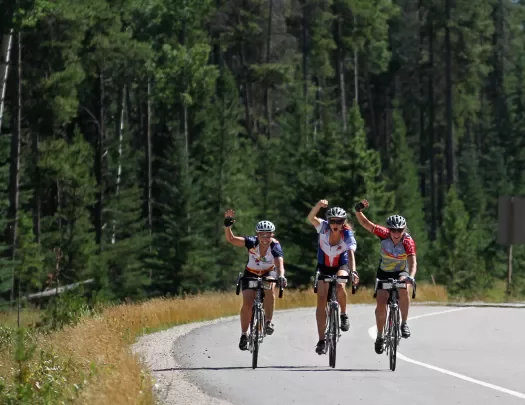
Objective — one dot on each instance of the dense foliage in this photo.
(129, 126)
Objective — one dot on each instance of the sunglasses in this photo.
(396, 230)
(264, 235)
(337, 221)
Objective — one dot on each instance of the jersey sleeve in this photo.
(250, 241)
(410, 246)
(320, 227)
(381, 232)
(350, 241)
(277, 250)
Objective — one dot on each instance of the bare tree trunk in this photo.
(267, 101)
(148, 158)
(99, 160)
(7, 40)
(432, 149)
(119, 169)
(304, 34)
(338, 28)
(423, 155)
(450, 158)
(14, 170)
(356, 71)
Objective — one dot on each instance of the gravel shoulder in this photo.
(172, 384)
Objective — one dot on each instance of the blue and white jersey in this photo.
(334, 256)
(258, 264)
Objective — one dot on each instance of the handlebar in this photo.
(332, 279)
(241, 278)
(390, 284)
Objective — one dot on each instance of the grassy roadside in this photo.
(90, 363)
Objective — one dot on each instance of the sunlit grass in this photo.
(94, 358)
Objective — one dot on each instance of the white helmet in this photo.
(264, 226)
(396, 221)
(336, 212)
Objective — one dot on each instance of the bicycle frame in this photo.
(332, 329)
(392, 328)
(258, 320)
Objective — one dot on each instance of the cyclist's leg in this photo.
(320, 313)
(404, 305)
(341, 288)
(246, 311)
(269, 303)
(341, 298)
(404, 301)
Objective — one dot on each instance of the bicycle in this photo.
(392, 332)
(332, 330)
(258, 321)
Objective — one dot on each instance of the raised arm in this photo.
(312, 216)
(228, 234)
(363, 221)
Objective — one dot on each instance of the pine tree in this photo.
(403, 183)
(457, 251)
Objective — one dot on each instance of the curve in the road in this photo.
(372, 331)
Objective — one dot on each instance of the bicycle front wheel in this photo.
(256, 335)
(394, 334)
(333, 331)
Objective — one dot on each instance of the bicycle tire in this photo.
(333, 331)
(393, 339)
(255, 338)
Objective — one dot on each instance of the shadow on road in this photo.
(279, 368)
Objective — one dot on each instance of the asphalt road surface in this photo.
(454, 356)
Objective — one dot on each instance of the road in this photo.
(455, 356)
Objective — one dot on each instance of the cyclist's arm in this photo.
(279, 265)
(365, 222)
(412, 266)
(278, 257)
(312, 216)
(231, 238)
(351, 261)
(410, 249)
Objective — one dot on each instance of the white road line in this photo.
(372, 333)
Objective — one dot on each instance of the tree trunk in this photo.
(149, 158)
(7, 40)
(338, 31)
(356, 71)
(120, 131)
(14, 169)
(450, 158)
(99, 159)
(432, 149)
(423, 155)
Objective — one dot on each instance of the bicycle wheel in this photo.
(333, 331)
(394, 333)
(256, 333)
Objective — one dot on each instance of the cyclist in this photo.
(335, 255)
(265, 258)
(398, 259)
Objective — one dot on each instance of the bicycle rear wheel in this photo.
(333, 331)
(394, 334)
(256, 334)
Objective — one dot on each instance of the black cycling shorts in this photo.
(385, 275)
(330, 271)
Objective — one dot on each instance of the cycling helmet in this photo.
(396, 221)
(264, 226)
(335, 212)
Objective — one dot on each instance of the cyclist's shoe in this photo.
(379, 344)
(243, 343)
(405, 330)
(269, 328)
(345, 323)
(321, 347)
